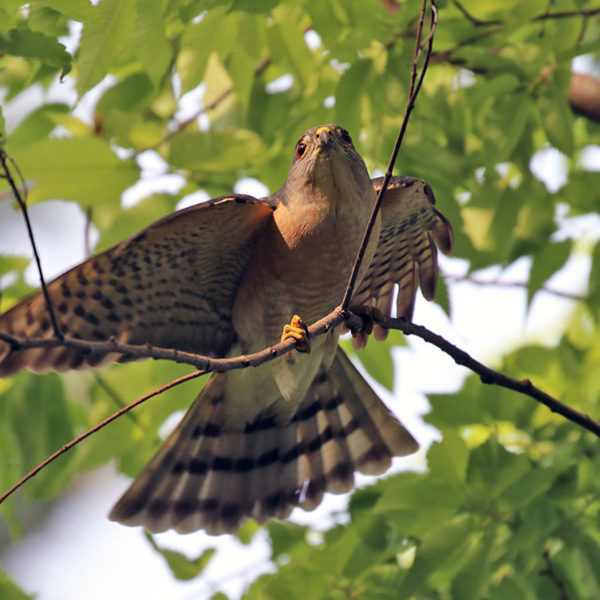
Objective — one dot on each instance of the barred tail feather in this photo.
(204, 477)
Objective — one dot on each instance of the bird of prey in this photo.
(223, 278)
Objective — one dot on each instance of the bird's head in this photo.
(326, 164)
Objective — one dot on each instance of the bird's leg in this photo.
(299, 331)
(370, 315)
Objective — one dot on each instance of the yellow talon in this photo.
(299, 331)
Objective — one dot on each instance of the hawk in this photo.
(223, 278)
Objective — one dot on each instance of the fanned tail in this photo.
(205, 477)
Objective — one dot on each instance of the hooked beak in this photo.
(324, 137)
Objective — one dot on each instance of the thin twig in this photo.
(97, 427)
(567, 14)
(87, 233)
(545, 16)
(461, 357)
(8, 176)
(412, 95)
(513, 284)
(205, 363)
(262, 65)
(548, 571)
(114, 396)
(477, 22)
(336, 317)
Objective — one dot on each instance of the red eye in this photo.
(346, 137)
(300, 149)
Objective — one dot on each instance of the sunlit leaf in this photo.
(102, 40)
(81, 169)
(182, 567)
(9, 590)
(32, 44)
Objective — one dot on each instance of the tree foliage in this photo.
(509, 506)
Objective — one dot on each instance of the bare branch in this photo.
(97, 427)
(6, 174)
(489, 376)
(513, 284)
(567, 14)
(260, 67)
(413, 91)
(546, 16)
(548, 571)
(461, 357)
(205, 363)
(477, 22)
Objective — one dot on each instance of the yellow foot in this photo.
(299, 331)
(370, 315)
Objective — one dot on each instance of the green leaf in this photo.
(594, 289)
(102, 41)
(546, 262)
(529, 486)
(286, 41)
(440, 554)
(127, 95)
(492, 470)
(183, 568)
(151, 44)
(258, 6)
(2, 128)
(246, 532)
(241, 69)
(12, 263)
(557, 120)
(214, 33)
(473, 577)
(449, 459)
(37, 412)
(9, 589)
(81, 169)
(214, 152)
(417, 504)
(78, 10)
(349, 93)
(285, 537)
(32, 44)
(37, 125)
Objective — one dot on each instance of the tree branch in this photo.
(513, 284)
(548, 571)
(584, 96)
(546, 16)
(413, 91)
(206, 364)
(6, 174)
(260, 67)
(97, 427)
(487, 375)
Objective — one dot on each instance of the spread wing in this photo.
(406, 254)
(171, 285)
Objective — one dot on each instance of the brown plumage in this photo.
(223, 278)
